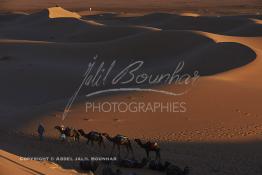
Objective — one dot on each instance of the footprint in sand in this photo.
(247, 114)
(130, 98)
(117, 120)
(238, 110)
(88, 119)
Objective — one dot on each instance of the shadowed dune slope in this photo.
(53, 25)
(230, 155)
(6, 17)
(227, 25)
(220, 57)
(234, 26)
(44, 57)
(252, 29)
(171, 47)
(59, 25)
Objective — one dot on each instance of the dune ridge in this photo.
(12, 164)
(58, 12)
(43, 59)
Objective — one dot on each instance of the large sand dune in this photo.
(12, 164)
(57, 25)
(226, 25)
(43, 56)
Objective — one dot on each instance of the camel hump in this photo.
(155, 144)
(94, 133)
(121, 138)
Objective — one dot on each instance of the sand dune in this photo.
(40, 26)
(198, 51)
(190, 14)
(11, 164)
(58, 25)
(221, 25)
(247, 30)
(43, 56)
(226, 25)
(204, 7)
(58, 12)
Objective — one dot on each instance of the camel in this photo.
(148, 147)
(93, 136)
(175, 170)
(119, 140)
(69, 132)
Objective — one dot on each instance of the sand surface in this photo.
(138, 6)
(44, 54)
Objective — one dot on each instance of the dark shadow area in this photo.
(198, 52)
(53, 82)
(7, 17)
(219, 57)
(225, 25)
(203, 158)
(39, 27)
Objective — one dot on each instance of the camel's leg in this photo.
(77, 138)
(87, 142)
(147, 154)
(118, 147)
(131, 149)
(92, 143)
(100, 144)
(103, 144)
(113, 148)
(158, 157)
(127, 151)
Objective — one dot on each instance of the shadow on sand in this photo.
(203, 158)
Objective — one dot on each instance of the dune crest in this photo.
(256, 21)
(13, 164)
(59, 12)
(190, 14)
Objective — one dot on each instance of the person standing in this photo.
(63, 134)
(41, 131)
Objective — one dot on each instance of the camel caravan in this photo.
(120, 141)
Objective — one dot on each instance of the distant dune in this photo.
(54, 24)
(45, 52)
(204, 7)
(58, 12)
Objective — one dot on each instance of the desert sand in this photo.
(45, 51)
(138, 6)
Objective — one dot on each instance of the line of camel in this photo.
(118, 140)
(123, 141)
